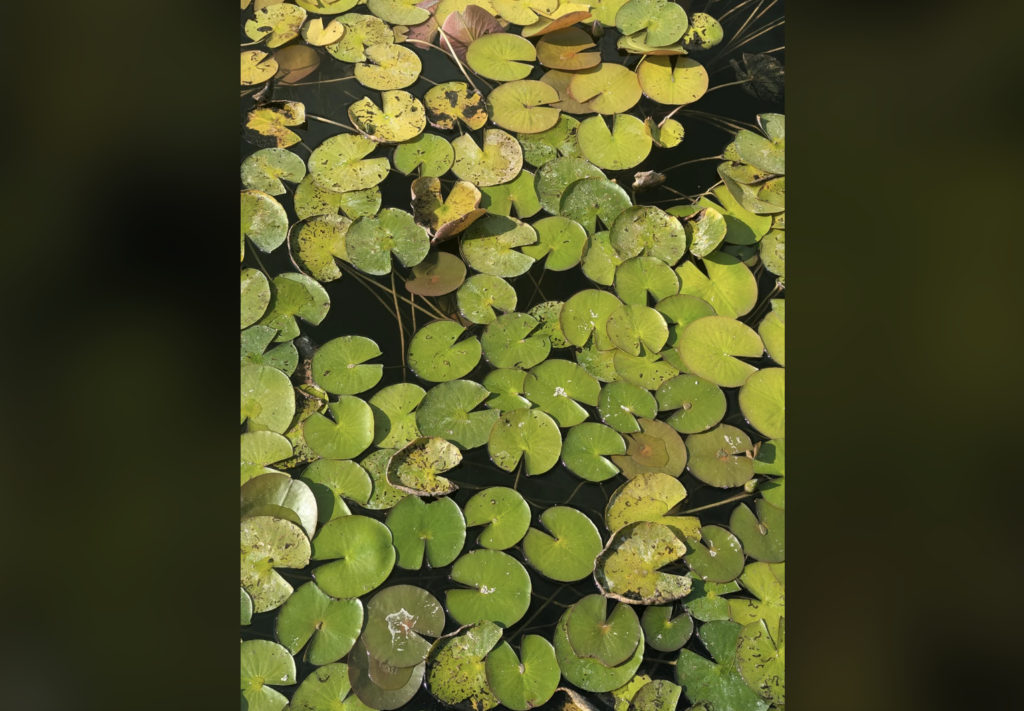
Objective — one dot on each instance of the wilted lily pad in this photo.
(620, 403)
(451, 102)
(338, 365)
(432, 154)
(559, 140)
(523, 106)
(624, 146)
(627, 568)
(499, 161)
(449, 217)
(558, 174)
(593, 633)
(436, 353)
(664, 632)
(361, 553)
(269, 543)
(267, 125)
(657, 448)
(567, 553)
(764, 536)
(278, 495)
(501, 56)
(606, 89)
(585, 448)
(709, 347)
(447, 412)
(263, 220)
(594, 201)
(400, 118)
(416, 469)
(699, 404)
(507, 342)
(488, 246)
(439, 273)
(394, 419)
(503, 513)
(457, 673)
(717, 557)
(331, 481)
(523, 685)
(265, 169)
(390, 66)
(558, 386)
(338, 163)
(370, 694)
(310, 614)
(267, 399)
(396, 617)
(347, 436)
(263, 663)
(645, 497)
(763, 401)
(717, 457)
(525, 432)
(277, 23)
(502, 588)
(717, 684)
(591, 674)
(311, 199)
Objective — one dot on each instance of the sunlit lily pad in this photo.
(394, 419)
(598, 364)
(565, 15)
(600, 260)
(667, 134)
(772, 330)
(559, 140)
(657, 448)
(447, 412)
(259, 449)
(462, 27)
(370, 241)
(267, 399)
(558, 174)
(627, 569)
(523, 685)
(360, 552)
(747, 195)
(506, 386)
(664, 632)
(763, 401)
(525, 432)
(389, 67)
(716, 684)
(742, 226)
(277, 23)
(269, 543)
(672, 80)
(729, 286)
(438, 528)
(593, 633)
(639, 277)
(764, 536)
(457, 674)
(620, 403)
(416, 469)
(267, 125)
(453, 101)
(482, 294)
(586, 313)
(400, 117)
(439, 273)
(319, 35)
(502, 588)
(625, 145)
(763, 153)
(586, 447)
(559, 81)
(263, 220)
(265, 663)
(325, 688)
(717, 557)
(501, 56)
(436, 354)
(499, 161)
(370, 694)
(651, 231)
(278, 495)
(507, 342)
(699, 404)
(339, 365)
(773, 253)
(333, 480)
(449, 217)
(566, 49)
(338, 164)
(705, 231)
(316, 242)
(594, 201)
(606, 89)
(398, 12)
(665, 22)
(488, 246)
(549, 313)
(384, 496)
(311, 199)
(704, 32)
(310, 614)
(428, 152)
(766, 583)
(257, 67)
(503, 513)
(646, 370)
(632, 328)
(761, 660)
(560, 240)
(717, 457)
(523, 106)
(255, 296)
(591, 674)
(361, 31)
(567, 552)
(645, 497)
(265, 169)
(520, 194)
(294, 295)
(396, 617)
(558, 386)
(709, 346)
(347, 436)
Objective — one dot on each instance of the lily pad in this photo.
(558, 174)
(717, 557)
(298, 61)
(437, 527)
(665, 22)
(318, 35)
(565, 15)
(633, 328)
(436, 354)
(461, 28)
(361, 31)
(699, 404)
(400, 118)
(263, 220)
(763, 153)
(269, 543)
(763, 536)
(675, 81)
(585, 448)
(566, 49)
(503, 513)
(416, 469)
(765, 582)
(394, 417)
(717, 457)
(709, 347)
(590, 674)
(773, 333)
(523, 685)
(499, 161)
(502, 589)
(763, 401)
(330, 626)
(430, 153)
(549, 314)
(384, 495)
(742, 226)
(600, 260)
(594, 201)
(586, 313)
(278, 495)
(506, 388)
(371, 241)
(645, 497)
(453, 101)
(267, 399)
(361, 553)
(706, 603)
(316, 242)
(593, 633)
(704, 32)
(390, 67)
(255, 296)
(626, 145)
(645, 370)
(559, 239)
(705, 231)
(246, 608)
(338, 164)
(257, 67)
(520, 194)
(761, 661)
(439, 273)
(664, 632)
(398, 12)
(606, 89)
(717, 684)
(457, 674)
(397, 618)
(657, 449)
(501, 56)
(277, 23)
(263, 663)
(347, 436)
(558, 386)
(667, 134)
(773, 253)
(447, 412)
(507, 342)
(598, 364)
(525, 432)
(481, 294)
(258, 449)
(627, 569)
(658, 695)
(449, 217)
(523, 106)
(557, 141)
(267, 125)
(620, 403)
(488, 246)
(370, 694)
(265, 169)
(771, 458)
(331, 481)
(559, 81)
(311, 199)
(326, 688)
(680, 311)
(637, 277)
(338, 365)
(565, 554)
(648, 230)
(729, 286)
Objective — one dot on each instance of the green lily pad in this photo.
(338, 164)
(566, 49)
(773, 253)
(436, 354)
(657, 449)
(384, 496)
(761, 661)
(507, 342)
(506, 388)
(709, 347)
(260, 449)
(704, 32)
(664, 632)
(717, 557)
(586, 313)
(648, 230)
(437, 527)
(557, 141)
(565, 15)
(667, 134)
(451, 102)
(277, 23)
(549, 314)
(333, 480)
(361, 553)
(255, 296)
(523, 685)
(520, 193)
(680, 311)
(503, 513)
(558, 174)
(600, 260)
(326, 688)
(594, 201)
(594, 634)
(729, 286)
(762, 153)
(361, 31)
(439, 273)
(457, 675)
(772, 330)
(266, 168)
(645, 370)
(658, 695)
(742, 226)
(561, 240)
(372, 240)
(398, 12)
(717, 684)
(316, 242)
(763, 401)
(705, 231)
(310, 614)
(396, 620)
(718, 456)
(626, 145)
(645, 497)
(747, 195)
(525, 432)
(763, 536)
(558, 386)
(394, 416)
(370, 694)
(765, 582)
(430, 153)
(292, 295)
(488, 246)
(416, 469)
(337, 365)
(771, 458)
(447, 412)
(637, 277)
(706, 603)
(627, 569)
(269, 543)
(267, 399)
(264, 221)
(567, 552)
(502, 589)
(481, 294)
(585, 448)
(445, 218)
(501, 56)
(389, 67)
(665, 22)
(632, 328)
(265, 662)
(598, 364)
(278, 495)
(523, 106)
(672, 80)
(246, 608)
(620, 403)
(590, 674)
(699, 404)
(347, 436)
(606, 89)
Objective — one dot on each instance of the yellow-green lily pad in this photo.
(416, 468)
(488, 246)
(338, 164)
(566, 552)
(499, 161)
(525, 434)
(626, 145)
(402, 117)
(451, 102)
(501, 56)
(606, 89)
(436, 354)
(628, 567)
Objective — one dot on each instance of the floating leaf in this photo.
(337, 365)
(502, 588)
(590, 674)
(557, 175)
(278, 23)
(773, 253)
(606, 89)
(347, 436)
(481, 294)
(625, 693)
(771, 458)
(457, 675)
(361, 553)
(706, 603)
(667, 134)
(645, 497)
(675, 81)
(520, 193)
(371, 241)
(717, 557)
(384, 495)
(625, 146)
(709, 347)
(559, 81)
(267, 400)
(591, 200)
(705, 231)
(716, 684)
(600, 259)
(523, 106)
(664, 632)
(593, 633)
(337, 164)
(585, 313)
(656, 449)
(396, 617)
(761, 660)
(361, 31)
(324, 688)
(772, 331)
(646, 370)
(565, 15)
(658, 695)
(507, 342)
(665, 22)
(269, 543)
(528, 432)
(585, 448)
(506, 386)
(265, 662)
(637, 277)
(389, 67)
(394, 419)
(436, 354)
(627, 568)
(765, 582)
(559, 239)
(278, 495)
(264, 221)
(763, 74)
(266, 125)
(310, 614)
(461, 28)
(718, 456)
(265, 169)
(488, 246)
(632, 328)
(451, 217)
(327, 7)
(246, 609)
(401, 118)
(310, 199)
(567, 553)
(447, 412)
(451, 102)
(430, 153)
(621, 403)
(729, 286)
(398, 12)
(502, 57)
(331, 481)
(498, 162)
(257, 67)
(370, 694)
(763, 401)
(315, 33)
(549, 313)
(316, 242)
(764, 536)
(559, 140)
(255, 296)
(296, 62)
(523, 685)
(416, 469)
(566, 49)
(557, 386)
(699, 404)
(764, 153)
(294, 295)
(648, 230)
(704, 32)
(503, 513)
(258, 449)
(439, 273)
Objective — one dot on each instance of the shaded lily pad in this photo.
(633, 328)
(772, 330)
(557, 141)
(590, 674)
(361, 31)
(585, 448)
(586, 313)
(389, 67)
(600, 260)
(316, 242)
(338, 164)
(625, 145)
(461, 28)
(764, 536)
(255, 296)
(439, 273)
(311, 199)
(394, 417)
(645, 497)
(265, 169)
(400, 117)
(372, 695)
(384, 496)
(506, 388)
(453, 101)
(499, 161)
(436, 354)
(310, 614)
(709, 347)
(263, 663)
(430, 153)
(673, 80)
(627, 568)
(278, 495)
(488, 246)
(503, 513)
(246, 608)
(567, 552)
(729, 286)
(267, 399)
(763, 401)
(267, 125)
(523, 685)
(664, 632)
(558, 174)
(706, 603)
(606, 89)
(742, 226)
(437, 527)
(338, 365)
(717, 457)
(416, 469)
(457, 674)
(699, 404)
(502, 589)
(523, 106)
(598, 364)
(263, 220)
(593, 633)
(620, 403)
(447, 411)
(350, 433)
(525, 432)
(507, 342)
(269, 543)
(717, 684)
(771, 458)
(558, 386)
(717, 557)
(481, 294)
(520, 194)
(594, 201)
(645, 370)
(501, 56)
(332, 480)
(396, 617)
(361, 553)
(637, 277)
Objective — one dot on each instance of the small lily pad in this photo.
(523, 685)
(267, 398)
(598, 364)
(557, 141)
(565, 554)
(664, 632)
(590, 674)
(600, 260)
(277, 23)
(763, 401)
(276, 494)
(705, 231)
(370, 694)
(765, 582)
(620, 403)
(266, 168)
(560, 240)
(332, 480)
(716, 684)
(453, 101)
(400, 117)
(706, 603)
(457, 674)
(549, 314)
(645, 497)
(628, 567)
(264, 663)
(525, 432)
(437, 527)
(263, 220)
(626, 145)
(646, 370)
(667, 134)
(503, 513)
(764, 536)
(709, 347)
(257, 67)
(717, 557)
(657, 449)
(648, 230)
(633, 328)
(680, 311)
(384, 496)
(267, 125)
(586, 313)
(606, 89)
(361, 553)
(394, 416)
(501, 56)
(488, 246)
(310, 614)
(416, 469)
(704, 32)
(585, 448)
(772, 331)
(258, 449)
(507, 342)
(593, 633)
(439, 273)
(524, 106)
(347, 436)
(397, 618)
(338, 365)
(316, 242)
(594, 201)
(389, 67)
(449, 217)
(699, 404)
(558, 174)
(447, 411)
(482, 294)
(506, 388)
(639, 277)
(502, 589)
(255, 296)
(717, 456)
(558, 386)
(269, 543)
(430, 153)
(729, 286)
(520, 194)
(675, 81)
(340, 164)
(436, 354)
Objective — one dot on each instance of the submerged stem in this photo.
(333, 123)
(321, 81)
(720, 503)
(401, 331)
(687, 162)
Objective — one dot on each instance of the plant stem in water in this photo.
(401, 331)
(720, 503)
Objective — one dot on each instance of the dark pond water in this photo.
(355, 312)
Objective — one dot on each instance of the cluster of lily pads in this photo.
(630, 378)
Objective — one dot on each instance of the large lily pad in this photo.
(501, 591)
(557, 141)
(520, 194)
(436, 354)
(525, 432)
(717, 557)
(567, 552)
(628, 567)
(370, 694)
(586, 447)
(507, 342)
(389, 67)
(428, 152)
(338, 164)
(347, 436)
(594, 201)
(269, 543)
(457, 674)
(488, 246)
(664, 632)
(609, 638)
(620, 403)
(717, 684)
(606, 89)
(330, 626)
(453, 101)
(499, 161)
(763, 401)
(278, 495)
(558, 174)
(560, 240)
(673, 80)
(503, 513)
(361, 553)
(656, 449)
(482, 294)
(416, 469)
(437, 527)
(709, 347)
(264, 663)
(397, 618)
(698, 404)
(591, 674)
(645, 497)
(625, 145)
(400, 117)
(523, 685)
(718, 456)
(501, 56)
(558, 386)
(648, 230)
(338, 365)
(764, 536)
(729, 286)
(523, 106)
(638, 278)
(267, 400)
(332, 480)
(447, 411)
(761, 660)
(394, 416)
